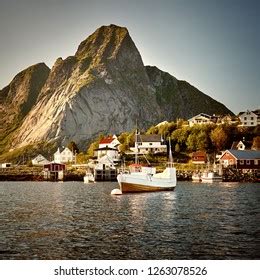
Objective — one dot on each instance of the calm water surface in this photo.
(43, 220)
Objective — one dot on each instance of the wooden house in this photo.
(202, 119)
(64, 156)
(199, 157)
(39, 160)
(241, 159)
(249, 118)
(150, 143)
(54, 171)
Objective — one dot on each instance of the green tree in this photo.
(73, 147)
(94, 145)
(203, 141)
(177, 148)
(81, 158)
(192, 142)
(219, 138)
(152, 130)
(180, 135)
(256, 143)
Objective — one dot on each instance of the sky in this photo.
(212, 44)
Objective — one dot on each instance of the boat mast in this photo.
(170, 153)
(136, 144)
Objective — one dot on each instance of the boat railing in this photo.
(169, 164)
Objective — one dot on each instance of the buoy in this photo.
(116, 192)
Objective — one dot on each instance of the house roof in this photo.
(40, 157)
(149, 138)
(105, 149)
(199, 154)
(256, 112)
(106, 140)
(244, 154)
(201, 115)
(248, 144)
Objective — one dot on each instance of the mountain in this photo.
(179, 99)
(18, 98)
(103, 88)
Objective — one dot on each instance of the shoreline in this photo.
(181, 176)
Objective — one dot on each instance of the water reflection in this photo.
(77, 221)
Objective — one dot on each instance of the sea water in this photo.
(73, 220)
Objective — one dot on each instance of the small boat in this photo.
(145, 179)
(210, 177)
(196, 177)
(89, 178)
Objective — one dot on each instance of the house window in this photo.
(245, 123)
(256, 161)
(252, 123)
(252, 118)
(241, 162)
(150, 144)
(245, 118)
(248, 162)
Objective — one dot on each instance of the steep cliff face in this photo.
(18, 98)
(103, 88)
(179, 99)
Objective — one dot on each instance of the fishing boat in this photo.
(210, 177)
(145, 179)
(89, 178)
(196, 177)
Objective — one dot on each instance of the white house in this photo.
(5, 165)
(150, 143)
(241, 145)
(65, 156)
(40, 160)
(249, 118)
(108, 146)
(202, 119)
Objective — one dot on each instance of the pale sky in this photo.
(212, 44)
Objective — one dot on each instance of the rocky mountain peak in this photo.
(103, 44)
(103, 88)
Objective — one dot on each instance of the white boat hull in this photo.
(211, 177)
(142, 182)
(196, 178)
(89, 178)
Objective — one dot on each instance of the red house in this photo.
(54, 171)
(241, 159)
(199, 157)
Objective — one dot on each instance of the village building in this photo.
(241, 145)
(105, 169)
(65, 156)
(228, 119)
(40, 160)
(241, 159)
(54, 171)
(249, 118)
(108, 146)
(199, 157)
(5, 165)
(150, 143)
(202, 119)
